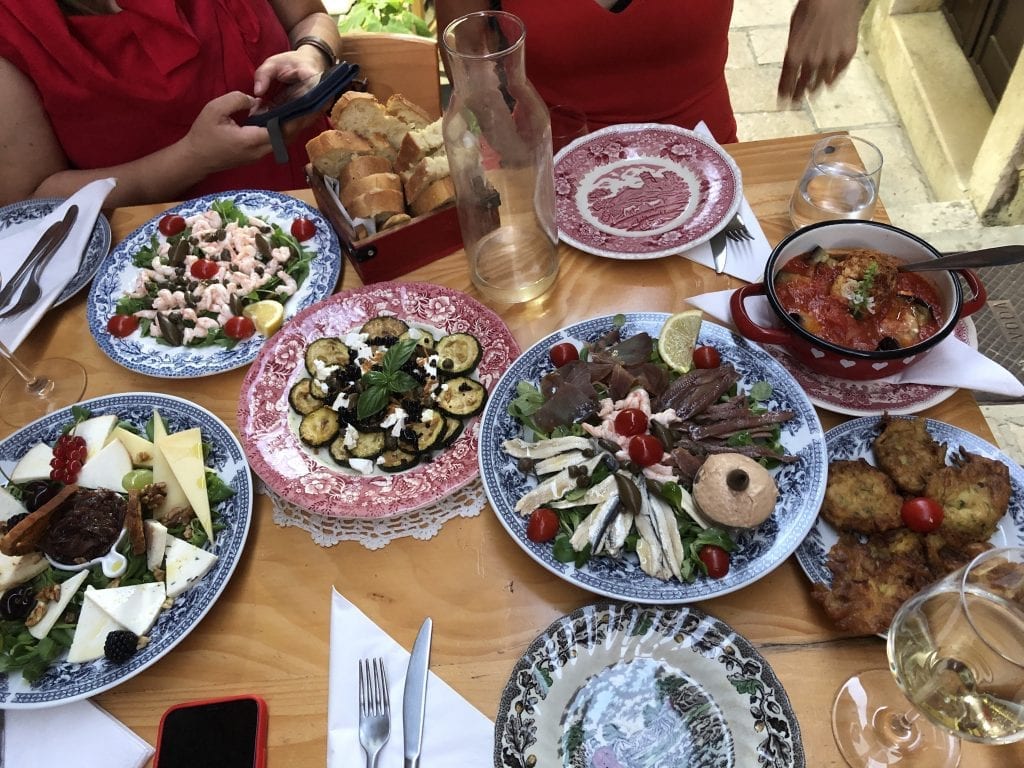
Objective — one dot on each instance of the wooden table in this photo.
(268, 633)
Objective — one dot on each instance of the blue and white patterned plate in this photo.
(117, 274)
(758, 551)
(612, 685)
(853, 440)
(65, 682)
(16, 215)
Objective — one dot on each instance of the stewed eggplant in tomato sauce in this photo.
(856, 298)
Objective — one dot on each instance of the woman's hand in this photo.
(822, 42)
(287, 69)
(215, 141)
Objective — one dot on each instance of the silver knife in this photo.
(414, 702)
(718, 251)
(57, 231)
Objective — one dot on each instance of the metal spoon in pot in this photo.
(998, 256)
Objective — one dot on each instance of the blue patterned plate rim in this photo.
(116, 274)
(758, 551)
(65, 682)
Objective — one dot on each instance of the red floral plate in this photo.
(870, 398)
(643, 191)
(317, 484)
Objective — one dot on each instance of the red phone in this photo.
(216, 733)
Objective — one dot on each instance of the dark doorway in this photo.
(991, 34)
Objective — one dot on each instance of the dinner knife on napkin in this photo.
(414, 701)
(718, 251)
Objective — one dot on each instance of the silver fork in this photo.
(374, 708)
(737, 231)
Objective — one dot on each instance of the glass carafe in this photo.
(497, 135)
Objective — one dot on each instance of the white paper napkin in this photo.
(15, 247)
(455, 733)
(79, 734)
(949, 364)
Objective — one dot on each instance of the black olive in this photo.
(737, 480)
(887, 344)
(13, 520)
(629, 494)
(525, 465)
(18, 602)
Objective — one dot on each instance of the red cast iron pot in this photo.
(831, 359)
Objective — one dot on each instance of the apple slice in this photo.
(95, 432)
(34, 465)
(107, 468)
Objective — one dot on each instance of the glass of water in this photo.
(840, 182)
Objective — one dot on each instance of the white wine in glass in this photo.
(49, 385)
(956, 653)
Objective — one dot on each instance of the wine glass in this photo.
(956, 651)
(51, 384)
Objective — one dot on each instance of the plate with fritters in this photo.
(891, 566)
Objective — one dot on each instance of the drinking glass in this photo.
(956, 652)
(840, 182)
(51, 384)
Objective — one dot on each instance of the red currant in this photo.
(68, 456)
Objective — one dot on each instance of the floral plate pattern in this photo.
(65, 682)
(117, 274)
(622, 685)
(13, 216)
(853, 440)
(758, 551)
(319, 485)
(643, 191)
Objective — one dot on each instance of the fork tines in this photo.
(737, 231)
(373, 687)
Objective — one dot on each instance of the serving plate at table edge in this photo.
(65, 682)
(853, 440)
(643, 191)
(758, 551)
(13, 216)
(318, 485)
(116, 276)
(873, 397)
(611, 685)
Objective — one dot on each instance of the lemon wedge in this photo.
(267, 315)
(678, 338)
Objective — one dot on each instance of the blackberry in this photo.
(17, 602)
(13, 520)
(120, 645)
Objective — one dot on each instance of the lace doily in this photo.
(423, 523)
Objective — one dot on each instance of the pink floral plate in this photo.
(643, 191)
(317, 484)
(870, 398)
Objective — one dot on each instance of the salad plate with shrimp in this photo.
(197, 290)
(642, 474)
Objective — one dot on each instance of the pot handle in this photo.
(748, 327)
(978, 293)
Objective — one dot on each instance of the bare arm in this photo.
(300, 18)
(822, 42)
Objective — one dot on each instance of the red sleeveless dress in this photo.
(657, 61)
(121, 86)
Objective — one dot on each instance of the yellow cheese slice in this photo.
(55, 608)
(139, 448)
(162, 473)
(184, 453)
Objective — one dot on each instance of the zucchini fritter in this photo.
(860, 498)
(907, 453)
(974, 493)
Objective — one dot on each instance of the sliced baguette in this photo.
(361, 113)
(418, 144)
(439, 193)
(411, 114)
(332, 150)
(425, 173)
(379, 205)
(371, 183)
(396, 220)
(363, 165)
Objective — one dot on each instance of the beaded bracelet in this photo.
(321, 45)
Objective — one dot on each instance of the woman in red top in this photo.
(146, 91)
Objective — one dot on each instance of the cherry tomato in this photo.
(922, 514)
(204, 269)
(564, 353)
(303, 229)
(171, 224)
(715, 559)
(706, 357)
(239, 327)
(122, 325)
(631, 421)
(645, 450)
(543, 525)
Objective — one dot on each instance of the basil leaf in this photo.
(370, 401)
(398, 354)
(400, 381)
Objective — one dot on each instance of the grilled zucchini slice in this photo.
(457, 354)
(384, 327)
(319, 427)
(452, 430)
(427, 436)
(395, 460)
(302, 397)
(330, 351)
(462, 397)
(369, 445)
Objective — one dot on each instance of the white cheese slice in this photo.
(184, 453)
(56, 608)
(9, 506)
(186, 564)
(107, 468)
(95, 432)
(156, 543)
(17, 569)
(34, 465)
(162, 473)
(139, 448)
(94, 624)
(135, 607)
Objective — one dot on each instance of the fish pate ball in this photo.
(734, 490)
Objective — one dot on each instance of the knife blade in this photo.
(50, 240)
(718, 251)
(33, 290)
(414, 701)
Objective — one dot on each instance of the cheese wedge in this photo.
(34, 465)
(135, 607)
(94, 624)
(107, 468)
(156, 543)
(184, 453)
(9, 506)
(17, 569)
(139, 448)
(186, 564)
(56, 608)
(95, 432)
(162, 473)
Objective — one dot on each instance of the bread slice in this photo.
(411, 114)
(332, 150)
(440, 192)
(396, 220)
(418, 144)
(379, 205)
(363, 165)
(371, 183)
(361, 113)
(426, 172)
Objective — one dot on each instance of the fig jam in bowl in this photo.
(844, 309)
